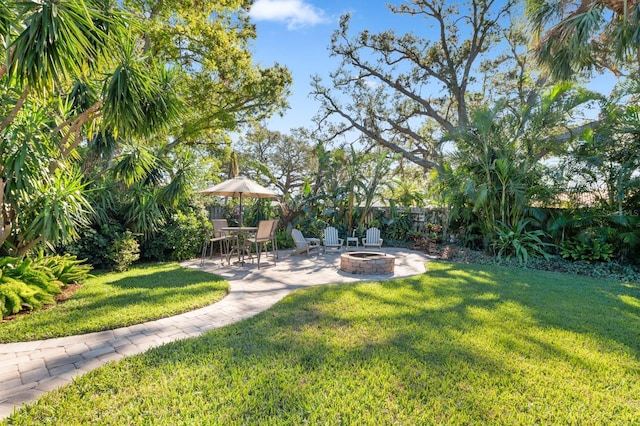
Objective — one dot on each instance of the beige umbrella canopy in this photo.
(240, 187)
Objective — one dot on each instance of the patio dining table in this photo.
(241, 245)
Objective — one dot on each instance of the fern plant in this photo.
(27, 285)
(24, 288)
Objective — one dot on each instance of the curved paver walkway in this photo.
(28, 370)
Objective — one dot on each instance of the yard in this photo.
(107, 139)
(120, 299)
(461, 344)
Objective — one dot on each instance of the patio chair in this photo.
(274, 240)
(372, 238)
(217, 236)
(303, 244)
(330, 239)
(265, 234)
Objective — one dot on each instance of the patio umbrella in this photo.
(240, 187)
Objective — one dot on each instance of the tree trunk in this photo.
(22, 251)
(16, 108)
(6, 231)
(5, 225)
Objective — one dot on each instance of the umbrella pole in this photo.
(240, 219)
(242, 245)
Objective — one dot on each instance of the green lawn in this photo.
(120, 299)
(462, 344)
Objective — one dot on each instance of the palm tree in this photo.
(581, 36)
(497, 172)
(39, 203)
(92, 79)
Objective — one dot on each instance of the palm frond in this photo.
(135, 165)
(57, 40)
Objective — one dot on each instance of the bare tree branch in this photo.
(396, 85)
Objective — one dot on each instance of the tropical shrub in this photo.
(27, 284)
(499, 170)
(259, 209)
(94, 243)
(124, 251)
(520, 242)
(180, 234)
(626, 242)
(398, 226)
(593, 249)
(181, 238)
(284, 240)
(595, 234)
(67, 269)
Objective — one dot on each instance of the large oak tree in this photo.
(404, 91)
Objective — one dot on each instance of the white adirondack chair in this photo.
(330, 239)
(372, 238)
(303, 244)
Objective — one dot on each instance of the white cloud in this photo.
(371, 83)
(296, 13)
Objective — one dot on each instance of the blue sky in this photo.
(297, 33)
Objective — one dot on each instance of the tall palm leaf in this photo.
(7, 18)
(576, 36)
(178, 188)
(140, 96)
(57, 39)
(498, 163)
(142, 212)
(59, 209)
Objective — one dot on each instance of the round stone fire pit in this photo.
(367, 262)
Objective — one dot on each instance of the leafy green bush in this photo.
(124, 251)
(179, 234)
(181, 238)
(594, 235)
(283, 240)
(586, 249)
(94, 243)
(398, 227)
(519, 242)
(310, 226)
(555, 263)
(66, 268)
